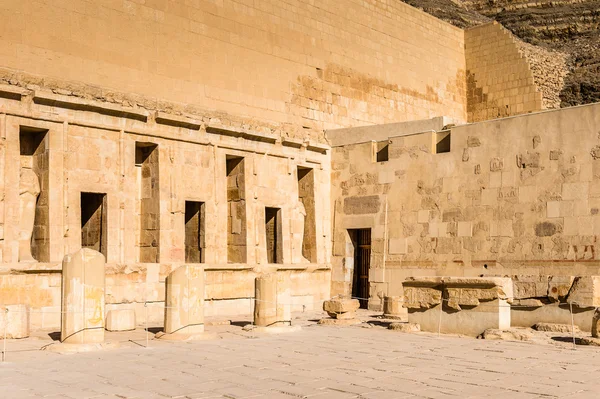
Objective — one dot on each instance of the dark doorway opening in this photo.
(273, 235)
(93, 222)
(361, 241)
(194, 232)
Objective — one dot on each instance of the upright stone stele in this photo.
(184, 304)
(82, 320)
(272, 305)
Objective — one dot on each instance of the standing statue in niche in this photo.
(29, 190)
(299, 242)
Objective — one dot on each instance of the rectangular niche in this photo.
(93, 222)
(273, 235)
(306, 196)
(34, 157)
(146, 162)
(194, 232)
(236, 210)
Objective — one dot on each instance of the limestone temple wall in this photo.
(326, 64)
(499, 78)
(513, 196)
(153, 191)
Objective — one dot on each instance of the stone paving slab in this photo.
(317, 362)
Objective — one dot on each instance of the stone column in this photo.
(184, 301)
(82, 320)
(272, 305)
(393, 309)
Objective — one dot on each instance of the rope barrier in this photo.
(254, 300)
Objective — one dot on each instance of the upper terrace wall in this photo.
(326, 64)
(519, 195)
(499, 79)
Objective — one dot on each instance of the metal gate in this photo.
(362, 261)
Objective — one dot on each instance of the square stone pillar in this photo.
(82, 320)
(272, 305)
(184, 301)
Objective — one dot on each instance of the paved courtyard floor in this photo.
(317, 362)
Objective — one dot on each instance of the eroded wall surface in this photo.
(514, 196)
(500, 82)
(323, 65)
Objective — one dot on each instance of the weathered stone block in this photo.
(530, 286)
(272, 305)
(14, 319)
(120, 320)
(83, 297)
(184, 301)
(404, 327)
(393, 307)
(585, 291)
(558, 287)
(362, 205)
(341, 305)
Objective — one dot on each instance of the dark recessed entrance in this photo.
(361, 240)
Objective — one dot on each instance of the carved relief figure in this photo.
(29, 190)
(298, 237)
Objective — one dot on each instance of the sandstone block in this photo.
(14, 319)
(511, 334)
(421, 297)
(393, 307)
(554, 327)
(405, 327)
(339, 322)
(558, 287)
(83, 297)
(585, 291)
(184, 301)
(120, 320)
(530, 286)
(341, 305)
(527, 303)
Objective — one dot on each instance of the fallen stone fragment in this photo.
(590, 341)
(554, 327)
(513, 334)
(339, 322)
(405, 327)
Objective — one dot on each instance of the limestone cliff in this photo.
(561, 36)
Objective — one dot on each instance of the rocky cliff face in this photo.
(562, 40)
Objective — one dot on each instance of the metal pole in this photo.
(572, 324)
(440, 321)
(146, 316)
(4, 343)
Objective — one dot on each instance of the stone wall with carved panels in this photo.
(514, 196)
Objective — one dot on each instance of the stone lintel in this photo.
(80, 104)
(292, 142)
(178, 121)
(12, 92)
(235, 131)
(317, 147)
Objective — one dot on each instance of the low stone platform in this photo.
(458, 305)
